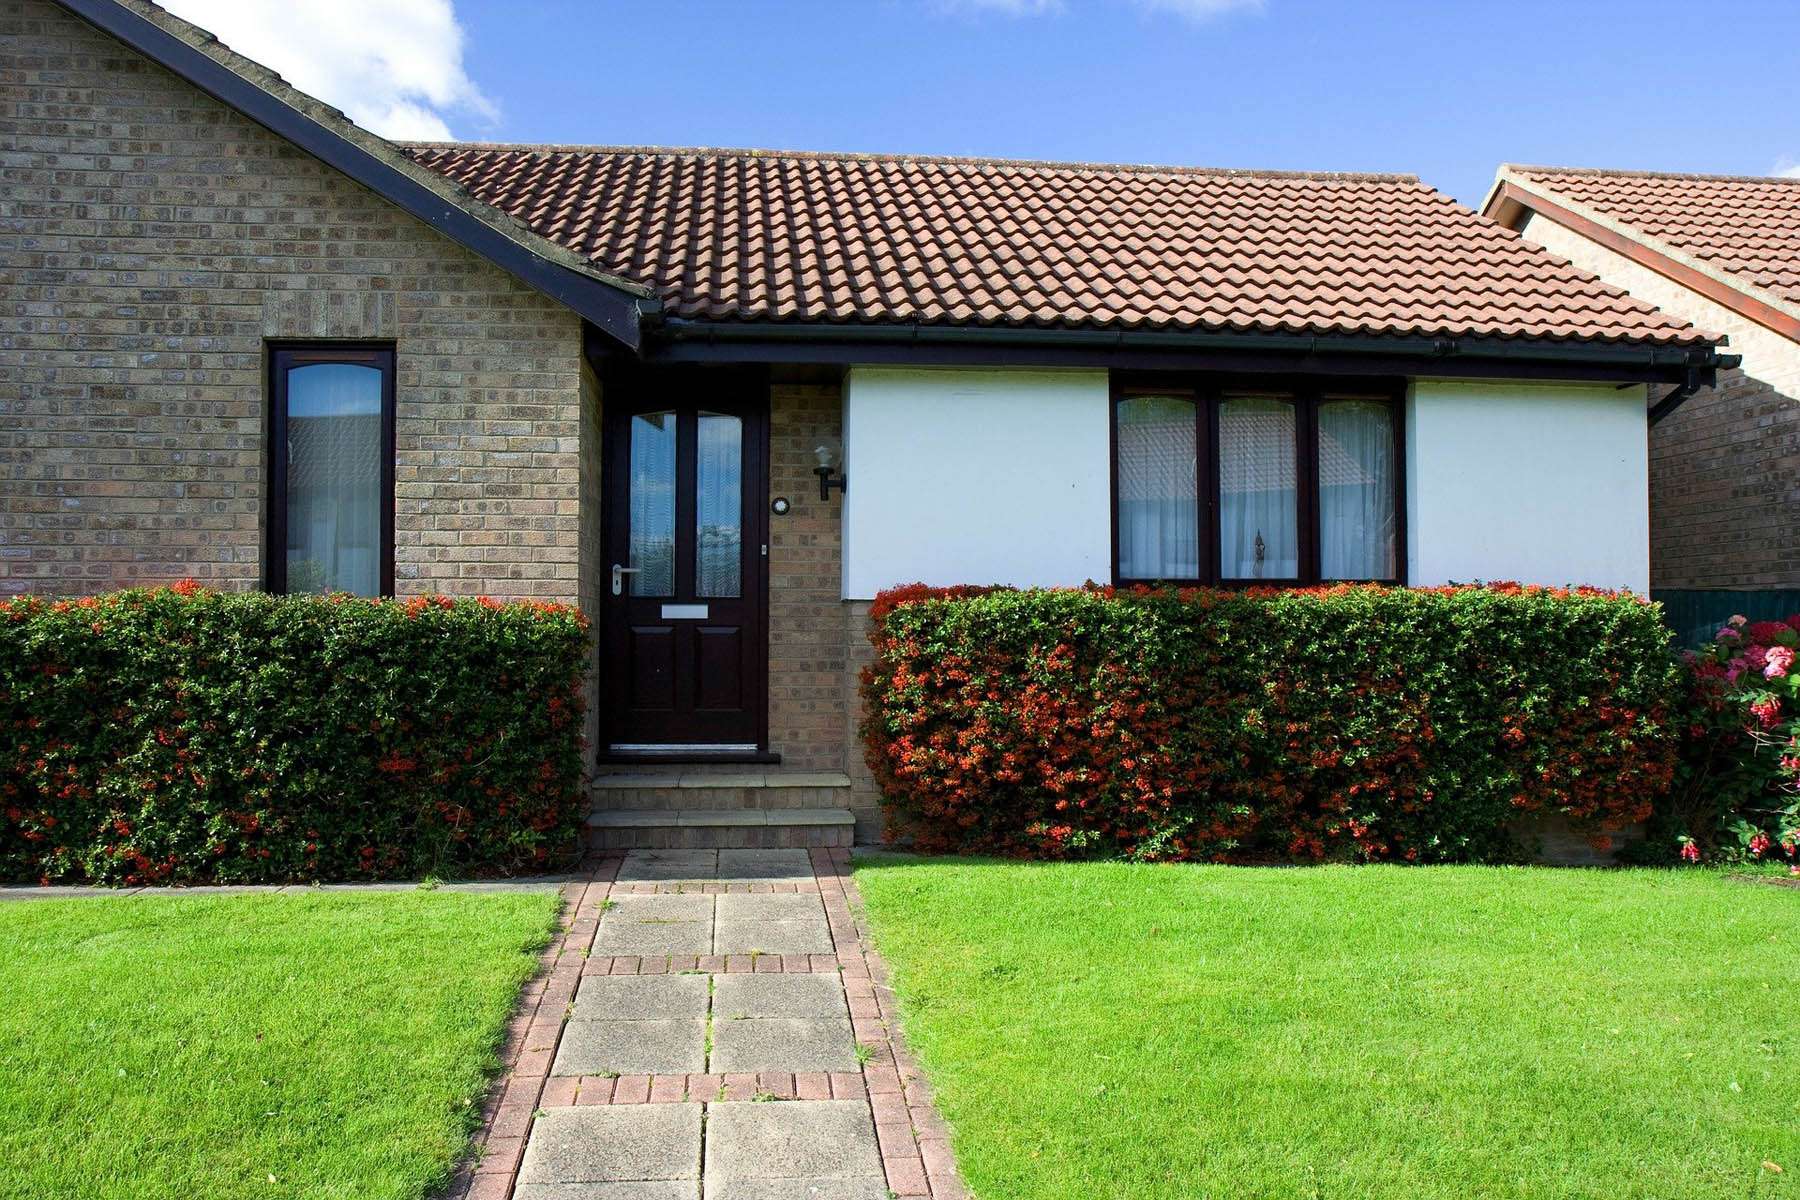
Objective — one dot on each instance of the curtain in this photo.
(719, 507)
(1159, 520)
(1356, 490)
(1258, 525)
(652, 543)
(334, 495)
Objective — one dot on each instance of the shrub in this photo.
(185, 735)
(1345, 722)
(1737, 792)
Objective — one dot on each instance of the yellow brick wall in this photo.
(152, 242)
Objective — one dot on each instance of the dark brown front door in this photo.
(683, 579)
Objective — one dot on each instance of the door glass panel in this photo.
(334, 479)
(719, 507)
(1356, 490)
(1159, 512)
(652, 548)
(1258, 515)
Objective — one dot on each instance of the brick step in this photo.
(684, 791)
(708, 829)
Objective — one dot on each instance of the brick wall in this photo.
(151, 242)
(806, 643)
(818, 642)
(865, 797)
(1725, 489)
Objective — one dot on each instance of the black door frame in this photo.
(623, 384)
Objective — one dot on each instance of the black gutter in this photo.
(685, 340)
(1678, 395)
(614, 310)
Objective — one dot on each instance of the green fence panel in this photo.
(1695, 615)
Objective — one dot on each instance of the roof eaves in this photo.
(1427, 355)
(612, 303)
(1513, 191)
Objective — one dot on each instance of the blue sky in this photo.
(1443, 90)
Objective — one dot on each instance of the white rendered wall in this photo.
(1534, 482)
(975, 476)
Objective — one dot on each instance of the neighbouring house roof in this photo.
(1708, 232)
(611, 303)
(726, 235)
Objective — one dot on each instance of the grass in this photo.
(1109, 1030)
(267, 1046)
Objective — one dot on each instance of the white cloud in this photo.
(1786, 167)
(394, 66)
(1198, 10)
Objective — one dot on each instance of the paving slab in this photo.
(783, 1044)
(810, 997)
(668, 1189)
(63, 891)
(865, 1188)
(640, 998)
(624, 1143)
(765, 865)
(772, 937)
(792, 1149)
(770, 906)
(660, 866)
(632, 1047)
(656, 925)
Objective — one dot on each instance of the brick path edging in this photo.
(913, 1139)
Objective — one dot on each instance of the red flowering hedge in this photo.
(186, 735)
(1347, 722)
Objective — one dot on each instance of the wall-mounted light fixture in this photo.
(827, 464)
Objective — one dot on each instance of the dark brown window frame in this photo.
(1307, 392)
(284, 357)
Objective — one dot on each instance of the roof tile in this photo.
(759, 236)
(1746, 226)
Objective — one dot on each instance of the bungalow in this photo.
(721, 398)
(1724, 253)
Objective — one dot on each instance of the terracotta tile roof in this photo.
(1745, 226)
(759, 236)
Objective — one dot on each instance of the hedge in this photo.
(192, 736)
(1350, 722)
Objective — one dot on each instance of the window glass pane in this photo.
(1356, 490)
(334, 493)
(719, 507)
(1159, 518)
(652, 541)
(1258, 529)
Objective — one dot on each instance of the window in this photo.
(331, 470)
(1159, 498)
(1217, 483)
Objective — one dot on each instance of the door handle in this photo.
(619, 574)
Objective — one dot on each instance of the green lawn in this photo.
(271, 1046)
(1185, 1031)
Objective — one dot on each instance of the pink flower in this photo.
(1690, 852)
(1724, 633)
(1759, 845)
(1755, 656)
(1738, 621)
(1767, 711)
(1777, 662)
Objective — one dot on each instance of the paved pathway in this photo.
(710, 1025)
